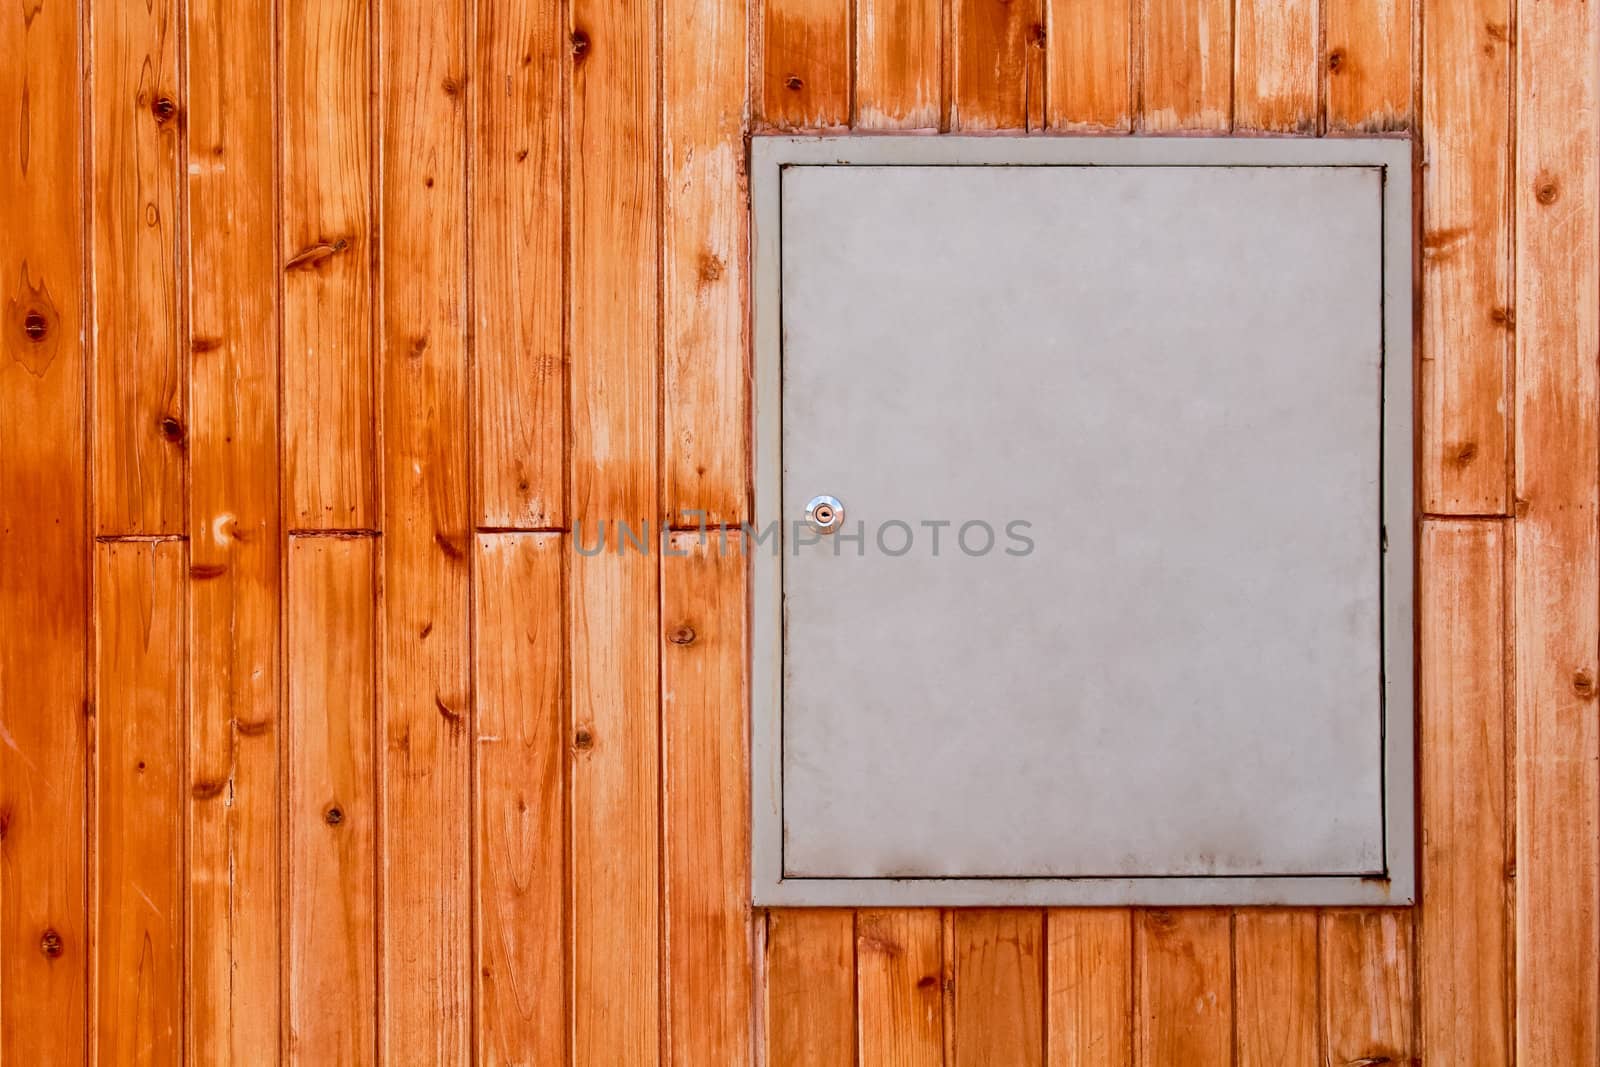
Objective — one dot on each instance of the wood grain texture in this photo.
(328, 379)
(1467, 311)
(706, 833)
(1090, 79)
(235, 898)
(522, 64)
(810, 969)
(998, 46)
(139, 700)
(805, 67)
(521, 848)
(1186, 48)
(999, 986)
(1366, 961)
(1463, 948)
(136, 113)
(1275, 66)
(425, 817)
(1368, 83)
(705, 258)
(1275, 983)
(333, 802)
(1090, 987)
(899, 64)
(900, 987)
(1184, 1006)
(1554, 572)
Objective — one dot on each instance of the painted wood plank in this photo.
(899, 64)
(1463, 952)
(425, 836)
(1275, 982)
(1554, 575)
(1090, 987)
(999, 986)
(1368, 84)
(1275, 66)
(1186, 48)
(996, 82)
(1090, 78)
(900, 987)
(805, 67)
(706, 835)
(1366, 986)
(523, 61)
(328, 384)
(140, 400)
(1467, 316)
(234, 902)
(521, 850)
(615, 596)
(810, 969)
(331, 839)
(139, 707)
(1184, 1000)
(705, 450)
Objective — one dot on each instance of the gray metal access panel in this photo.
(1085, 469)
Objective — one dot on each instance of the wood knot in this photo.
(35, 326)
(1335, 60)
(139, 766)
(582, 739)
(1583, 684)
(683, 635)
(1547, 192)
(580, 46)
(1503, 316)
(163, 109)
(1466, 453)
(1037, 35)
(794, 82)
(927, 981)
(333, 816)
(50, 944)
(171, 429)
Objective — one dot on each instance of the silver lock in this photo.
(824, 514)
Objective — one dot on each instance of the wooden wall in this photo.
(331, 325)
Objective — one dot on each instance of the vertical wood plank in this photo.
(1089, 51)
(1090, 987)
(707, 822)
(900, 987)
(1275, 66)
(329, 398)
(1555, 576)
(704, 257)
(523, 58)
(234, 531)
(1275, 981)
(521, 852)
(1187, 70)
(1462, 947)
(997, 82)
(810, 988)
(331, 644)
(999, 980)
(899, 64)
(1368, 66)
(1467, 316)
(1184, 1009)
(139, 378)
(139, 801)
(1366, 986)
(425, 836)
(615, 597)
(805, 80)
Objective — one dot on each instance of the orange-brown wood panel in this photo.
(1467, 313)
(522, 64)
(1090, 987)
(810, 988)
(234, 902)
(998, 62)
(805, 65)
(900, 987)
(1186, 52)
(999, 986)
(1463, 949)
(1554, 570)
(1275, 66)
(1368, 83)
(136, 115)
(1090, 49)
(1184, 1002)
(139, 703)
(1366, 982)
(1275, 986)
(520, 830)
(425, 817)
(329, 399)
(331, 839)
(899, 64)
